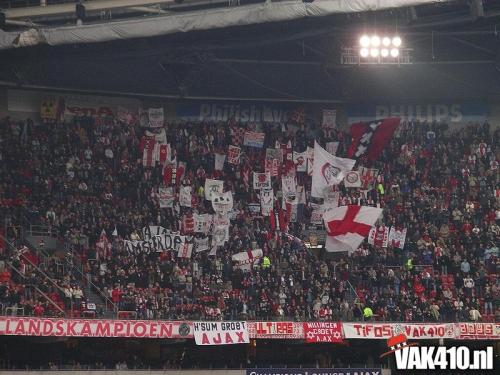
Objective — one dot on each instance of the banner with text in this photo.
(220, 333)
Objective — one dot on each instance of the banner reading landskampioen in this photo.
(220, 333)
(30, 326)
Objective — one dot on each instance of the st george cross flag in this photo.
(213, 186)
(233, 155)
(347, 226)
(328, 170)
(246, 259)
(379, 236)
(370, 138)
(397, 237)
(219, 161)
(185, 250)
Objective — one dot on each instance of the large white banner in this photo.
(220, 333)
(328, 170)
(213, 186)
(246, 259)
(412, 330)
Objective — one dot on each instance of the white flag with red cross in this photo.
(348, 226)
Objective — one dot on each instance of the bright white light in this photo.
(394, 52)
(386, 41)
(364, 52)
(374, 52)
(375, 41)
(364, 41)
(384, 52)
(396, 41)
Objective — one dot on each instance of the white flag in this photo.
(300, 161)
(261, 181)
(352, 179)
(185, 196)
(219, 161)
(201, 244)
(289, 188)
(328, 170)
(397, 237)
(216, 186)
(185, 250)
(266, 201)
(202, 223)
(246, 259)
(166, 197)
(222, 203)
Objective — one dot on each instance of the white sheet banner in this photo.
(156, 118)
(397, 237)
(220, 333)
(202, 223)
(329, 118)
(352, 179)
(289, 188)
(266, 201)
(185, 196)
(213, 186)
(166, 197)
(261, 181)
(201, 244)
(300, 161)
(219, 161)
(222, 203)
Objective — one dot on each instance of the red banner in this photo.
(370, 138)
(323, 332)
(276, 330)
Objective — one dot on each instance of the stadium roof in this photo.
(454, 53)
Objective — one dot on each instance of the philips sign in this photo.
(428, 112)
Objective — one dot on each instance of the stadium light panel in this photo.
(374, 52)
(364, 52)
(396, 41)
(375, 41)
(364, 41)
(394, 52)
(384, 52)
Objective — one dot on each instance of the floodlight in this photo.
(384, 52)
(374, 52)
(394, 52)
(364, 52)
(364, 41)
(396, 41)
(386, 41)
(375, 41)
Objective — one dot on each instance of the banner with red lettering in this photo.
(220, 333)
(30, 326)
(426, 331)
(478, 331)
(276, 330)
(323, 332)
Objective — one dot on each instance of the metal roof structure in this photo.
(455, 50)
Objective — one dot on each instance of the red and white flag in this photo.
(278, 220)
(300, 161)
(262, 181)
(368, 177)
(233, 155)
(246, 259)
(397, 237)
(379, 236)
(149, 153)
(347, 226)
(352, 179)
(370, 138)
(328, 170)
(185, 250)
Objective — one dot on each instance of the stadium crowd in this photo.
(82, 178)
